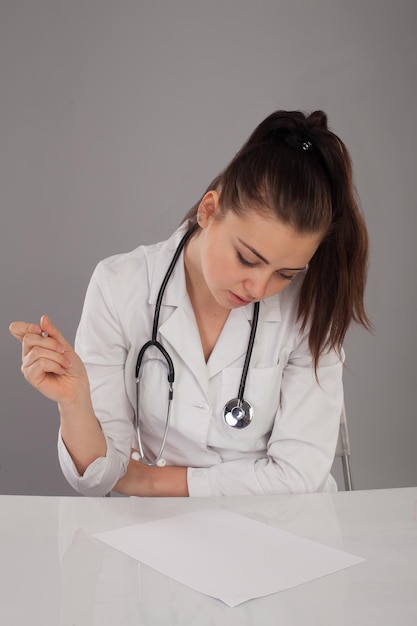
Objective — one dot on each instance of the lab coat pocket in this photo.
(262, 391)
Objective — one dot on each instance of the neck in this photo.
(209, 315)
(198, 292)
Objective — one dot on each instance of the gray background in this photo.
(115, 115)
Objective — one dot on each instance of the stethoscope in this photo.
(237, 413)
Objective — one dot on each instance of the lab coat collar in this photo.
(175, 291)
(181, 331)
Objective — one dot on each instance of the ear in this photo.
(209, 207)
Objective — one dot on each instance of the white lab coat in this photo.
(290, 444)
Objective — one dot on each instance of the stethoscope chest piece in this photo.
(238, 413)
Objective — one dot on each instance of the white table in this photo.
(53, 573)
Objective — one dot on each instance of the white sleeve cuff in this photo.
(232, 478)
(198, 482)
(100, 476)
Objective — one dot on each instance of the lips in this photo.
(238, 300)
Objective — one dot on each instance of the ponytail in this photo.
(293, 166)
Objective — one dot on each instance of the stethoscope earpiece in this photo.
(135, 456)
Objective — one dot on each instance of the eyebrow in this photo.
(264, 260)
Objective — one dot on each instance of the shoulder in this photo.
(128, 263)
(283, 307)
(290, 296)
(140, 259)
(136, 265)
(132, 274)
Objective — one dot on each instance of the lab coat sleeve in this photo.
(102, 347)
(302, 444)
(98, 479)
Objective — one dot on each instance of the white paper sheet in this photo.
(226, 555)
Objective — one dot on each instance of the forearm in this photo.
(142, 480)
(81, 433)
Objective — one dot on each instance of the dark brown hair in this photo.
(294, 166)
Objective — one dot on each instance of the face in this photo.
(247, 258)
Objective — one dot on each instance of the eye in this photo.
(287, 276)
(244, 261)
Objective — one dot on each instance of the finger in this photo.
(35, 373)
(20, 329)
(41, 355)
(30, 341)
(52, 331)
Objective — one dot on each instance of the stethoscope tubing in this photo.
(249, 351)
(166, 279)
(170, 366)
(238, 402)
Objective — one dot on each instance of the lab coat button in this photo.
(197, 472)
(202, 407)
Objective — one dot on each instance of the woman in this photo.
(279, 226)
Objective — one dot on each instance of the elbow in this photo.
(98, 479)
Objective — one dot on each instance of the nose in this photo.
(256, 286)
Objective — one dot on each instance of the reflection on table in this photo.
(53, 572)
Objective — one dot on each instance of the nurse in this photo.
(280, 226)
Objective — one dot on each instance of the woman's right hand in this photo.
(49, 363)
